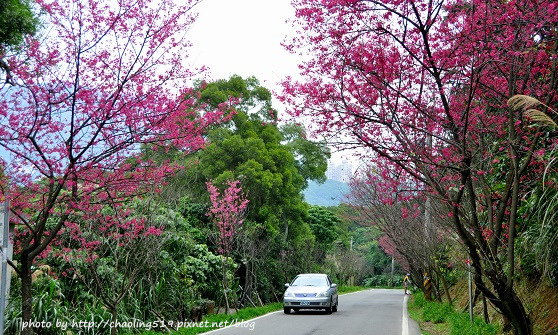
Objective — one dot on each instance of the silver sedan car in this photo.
(311, 291)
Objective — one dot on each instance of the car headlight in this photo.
(289, 294)
(323, 294)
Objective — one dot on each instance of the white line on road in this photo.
(405, 319)
(249, 320)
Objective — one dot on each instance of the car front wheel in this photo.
(286, 310)
(329, 309)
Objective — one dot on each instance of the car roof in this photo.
(313, 274)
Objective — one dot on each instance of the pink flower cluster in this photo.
(228, 211)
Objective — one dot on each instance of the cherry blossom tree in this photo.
(98, 81)
(228, 211)
(401, 215)
(423, 85)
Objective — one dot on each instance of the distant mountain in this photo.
(330, 193)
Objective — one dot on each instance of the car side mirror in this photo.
(287, 285)
(333, 285)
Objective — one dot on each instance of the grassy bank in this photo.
(350, 289)
(437, 318)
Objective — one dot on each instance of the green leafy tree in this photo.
(16, 21)
(324, 225)
(273, 164)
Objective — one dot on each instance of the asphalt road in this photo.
(375, 311)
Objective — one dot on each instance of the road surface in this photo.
(376, 311)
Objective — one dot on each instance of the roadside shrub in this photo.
(382, 281)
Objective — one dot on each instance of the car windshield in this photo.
(310, 281)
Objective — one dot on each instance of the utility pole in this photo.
(470, 291)
(392, 268)
(6, 250)
(427, 204)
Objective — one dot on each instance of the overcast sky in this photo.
(243, 37)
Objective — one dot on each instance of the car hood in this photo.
(307, 289)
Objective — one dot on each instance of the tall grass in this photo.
(456, 323)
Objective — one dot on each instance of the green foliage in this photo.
(418, 300)
(461, 325)
(442, 313)
(182, 273)
(251, 95)
(16, 21)
(187, 270)
(539, 242)
(310, 156)
(436, 312)
(323, 223)
(382, 280)
(272, 163)
(52, 303)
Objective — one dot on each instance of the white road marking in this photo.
(405, 319)
(240, 321)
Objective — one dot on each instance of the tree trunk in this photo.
(485, 309)
(114, 313)
(445, 285)
(508, 303)
(225, 286)
(515, 312)
(26, 294)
